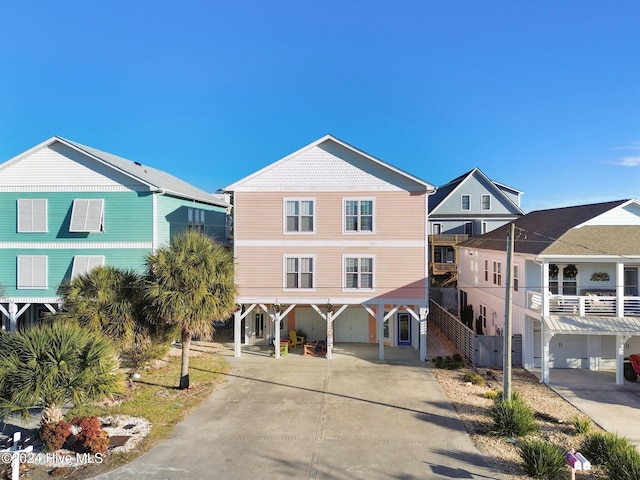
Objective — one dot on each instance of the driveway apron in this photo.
(351, 417)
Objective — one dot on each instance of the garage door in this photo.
(568, 351)
(352, 326)
(312, 324)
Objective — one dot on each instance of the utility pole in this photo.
(508, 306)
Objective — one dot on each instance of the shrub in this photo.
(598, 446)
(492, 394)
(91, 438)
(581, 424)
(624, 463)
(543, 459)
(447, 363)
(474, 378)
(53, 435)
(512, 417)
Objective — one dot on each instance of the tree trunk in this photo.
(186, 347)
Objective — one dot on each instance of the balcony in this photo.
(584, 305)
(445, 239)
(443, 268)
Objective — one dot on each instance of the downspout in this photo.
(425, 312)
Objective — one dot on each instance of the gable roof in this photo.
(155, 179)
(445, 191)
(324, 164)
(560, 231)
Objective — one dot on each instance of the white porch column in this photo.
(545, 288)
(237, 323)
(13, 317)
(620, 341)
(619, 289)
(546, 339)
(380, 326)
(276, 342)
(423, 334)
(329, 333)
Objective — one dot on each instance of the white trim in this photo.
(331, 243)
(298, 256)
(74, 245)
(335, 300)
(31, 300)
(67, 188)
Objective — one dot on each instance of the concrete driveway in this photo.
(352, 417)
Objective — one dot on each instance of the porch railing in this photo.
(584, 305)
(447, 238)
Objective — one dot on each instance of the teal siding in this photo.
(127, 217)
(173, 218)
(60, 263)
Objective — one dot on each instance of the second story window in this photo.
(195, 219)
(299, 272)
(83, 264)
(465, 202)
(516, 277)
(486, 270)
(87, 215)
(486, 202)
(358, 215)
(299, 216)
(358, 273)
(497, 273)
(32, 215)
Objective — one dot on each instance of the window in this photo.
(32, 271)
(483, 316)
(486, 202)
(299, 216)
(466, 202)
(258, 324)
(497, 273)
(87, 215)
(468, 228)
(83, 264)
(32, 215)
(358, 215)
(484, 228)
(436, 228)
(553, 278)
(195, 219)
(299, 272)
(516, 277)
(358, 273)
(486, 270)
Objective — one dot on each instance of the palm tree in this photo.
(190, 283)
(108, 300)
(50, 365)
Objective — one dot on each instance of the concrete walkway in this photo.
(351, 417)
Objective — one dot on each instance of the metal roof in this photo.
(592, 325)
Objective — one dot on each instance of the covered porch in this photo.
(328, 314)
(622, 328)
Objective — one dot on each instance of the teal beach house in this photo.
(67, 208)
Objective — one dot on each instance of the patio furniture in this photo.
(284, 346)
(296, 341)
(313, 349)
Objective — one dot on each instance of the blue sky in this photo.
(543, 96)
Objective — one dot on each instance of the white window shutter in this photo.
(87, 215)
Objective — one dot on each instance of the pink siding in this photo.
(399, 269)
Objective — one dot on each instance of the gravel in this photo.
(553, 416)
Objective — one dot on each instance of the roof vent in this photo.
(138, 163)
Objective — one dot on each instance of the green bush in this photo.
(598, 446)
(581, 424)
(624, 463)
(474, 378)
(542, 459)
(619, 457)
(512, 417)
(447, 363)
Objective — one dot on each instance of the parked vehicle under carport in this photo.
(632, 367)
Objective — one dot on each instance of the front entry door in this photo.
(404, 329)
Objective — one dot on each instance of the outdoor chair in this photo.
(296, 341)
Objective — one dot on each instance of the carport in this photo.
(623, 328)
